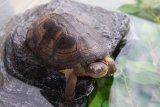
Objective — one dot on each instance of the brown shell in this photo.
(63, 41)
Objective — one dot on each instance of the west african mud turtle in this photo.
(63, 36)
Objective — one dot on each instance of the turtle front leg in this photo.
(71, 80)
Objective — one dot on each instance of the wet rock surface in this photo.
(44, 83)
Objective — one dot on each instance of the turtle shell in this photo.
(63, 41)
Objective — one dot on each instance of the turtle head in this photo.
(101, 68)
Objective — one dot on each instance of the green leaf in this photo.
(97, 101)
(129, 8)
(105, 104)
(101, 99)
(148, 9)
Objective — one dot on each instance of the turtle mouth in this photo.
(93, 60)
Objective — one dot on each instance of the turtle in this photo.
(70, 46)
(62, 45)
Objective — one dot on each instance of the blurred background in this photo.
(8, 8)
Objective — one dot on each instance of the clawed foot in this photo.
(71, 80)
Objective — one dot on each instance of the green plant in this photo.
(148, 9)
